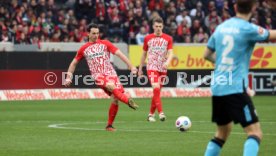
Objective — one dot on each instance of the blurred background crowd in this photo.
(187, 21)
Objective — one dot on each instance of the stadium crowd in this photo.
(187, 21)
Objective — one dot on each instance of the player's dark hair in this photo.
(158, 20)
(92, 26)
(245, 6)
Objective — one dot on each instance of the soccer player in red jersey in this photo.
(97, 55)
(159, 47)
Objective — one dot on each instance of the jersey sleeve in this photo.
(80, 53)
(110, 47)
(211, 43)
(257, 33)
(170, 44)
(145, 46)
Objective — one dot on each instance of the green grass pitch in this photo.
(76, 127)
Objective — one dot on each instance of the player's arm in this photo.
(272, 35)
(70, 71)
(142, 62)
(209, 55)
(170, 56)
(126, 60)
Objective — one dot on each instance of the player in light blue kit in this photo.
(230, 48)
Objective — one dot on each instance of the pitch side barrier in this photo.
(47, 84)
(59, 47)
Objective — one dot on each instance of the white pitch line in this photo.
(99, 122)
(62, 126)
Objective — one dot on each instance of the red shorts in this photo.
(103, 80)
(156, 76)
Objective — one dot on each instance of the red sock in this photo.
(113, 109)
(157, 99)
(120, 96)
(152, 107)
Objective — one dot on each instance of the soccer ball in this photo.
(183, 123)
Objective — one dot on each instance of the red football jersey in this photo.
(157, 48)
(97, 55)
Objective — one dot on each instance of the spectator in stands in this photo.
(138, 9)
(211, 6)
(211, 29)
(201, 36)
(160, 11)
(23, 39)
(181, 6)
(182, 16)
(194, 12)
(195, 27)
(220, 4)
(84, 9)
(170, 9)
(132, 38)
(182, 31)
(141, 36)
(5, 35)
(212, 18)
(100, 9)
(123, 6)
(225, 15)
(41, 7)
(153, 3)
(226, 7)
(115, 23)
(188, 39)
(268, 24)
(145, 24)
(173, 31)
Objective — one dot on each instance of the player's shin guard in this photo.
(113, 109)
(157, 99)
(214, 147)
(251, 146)
(120, 96)
(152, 107)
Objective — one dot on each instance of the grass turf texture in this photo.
(24, 129)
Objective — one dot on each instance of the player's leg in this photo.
(117, 90)
(156, 100)
(118, 94)
(223, 120)
(151, 75)
(161, 79)
(250, 123)
(244, 112)
(215, 145)
(113, 109)
(251, 145)
(112, 86)
(152, 79)
(152, 110)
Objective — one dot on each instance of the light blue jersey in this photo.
(233, 42)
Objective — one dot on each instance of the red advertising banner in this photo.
(54, 94)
